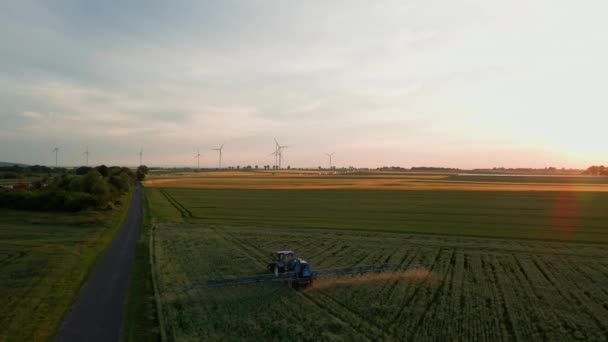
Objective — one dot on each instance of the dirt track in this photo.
(98, 312)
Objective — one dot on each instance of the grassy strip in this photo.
(157, 298)
(54, 267)
(141, 320)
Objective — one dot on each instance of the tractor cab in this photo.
(281, 261)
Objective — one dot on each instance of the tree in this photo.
(76, 184)
(94, 184)
(593, 170)
(120, 182)
(83, 170)
(90, 180)
(103, 170)
(141, 172)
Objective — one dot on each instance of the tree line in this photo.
(597, 170)
(82, 188)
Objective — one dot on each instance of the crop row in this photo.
(483, 289)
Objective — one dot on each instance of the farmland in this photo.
(476, 288)
(491, 265)
(44, 258)
(539, 215)
(374, 181)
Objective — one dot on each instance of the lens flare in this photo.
(566, 214)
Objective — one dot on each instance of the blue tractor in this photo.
(296, 271)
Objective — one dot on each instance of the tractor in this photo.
(296, 271)
(280, 261)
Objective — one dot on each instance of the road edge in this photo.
(143, 317)
(101, 243)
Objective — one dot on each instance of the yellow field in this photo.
(384, 181)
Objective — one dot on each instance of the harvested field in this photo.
(390, 181)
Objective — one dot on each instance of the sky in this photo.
(467, 84)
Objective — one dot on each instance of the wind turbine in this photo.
(198, 156)
(56, 150)
(279, 152)
(86, 153)
(276, 156)
(220, 152)
(141, 153)
(330, 155)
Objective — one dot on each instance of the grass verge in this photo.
(49, 258)
(141, 320)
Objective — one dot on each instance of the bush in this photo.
(120, 183)
(76, 184)
(71, 193)
(83, 170)
(91, 180)
(46, 200)
(76, 201)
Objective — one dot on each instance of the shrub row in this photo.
(93, 187)
(47, 200)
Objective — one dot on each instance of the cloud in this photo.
(31, 115)
(375, 79)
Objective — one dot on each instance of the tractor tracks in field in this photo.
(12, 257)
(414, 295)
(339, 311)
(175, 203)
(435, 296)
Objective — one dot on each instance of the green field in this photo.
(494, 265)
(570, 216)
(44, 259)
(475, 288)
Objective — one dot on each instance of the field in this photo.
(44, 258)
(539, 215)
(491, 265)
(375, 181)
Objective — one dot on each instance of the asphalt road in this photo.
(98, 312)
